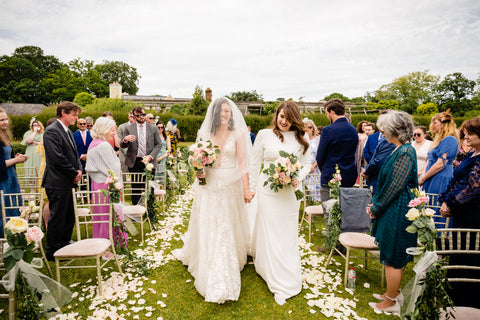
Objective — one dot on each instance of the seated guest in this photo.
(100, 159)
(461, 201)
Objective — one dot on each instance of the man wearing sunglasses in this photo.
(122, 152)
(82, 139)
(141, 139)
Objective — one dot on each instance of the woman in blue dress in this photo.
(444, 149)
(8, 175)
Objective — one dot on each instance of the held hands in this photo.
(83, 157)
(421, 181)
(78, 176)
(200, 175)
(248, 195)
(20, 158)
(129, 138)
(295, 183)
(445, 210)
(370, 212)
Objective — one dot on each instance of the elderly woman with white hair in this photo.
(100, 159)
(397, 177)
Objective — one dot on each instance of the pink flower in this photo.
(34, 234)
(338, 177)
(109, 180)
(118, 186)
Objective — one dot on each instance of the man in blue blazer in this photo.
(371, 171)
(370, 145)
(82, 139)
(338, 145)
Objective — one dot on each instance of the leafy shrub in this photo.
(427, 109)
(83, 98)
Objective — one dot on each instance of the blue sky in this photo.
(279, 48)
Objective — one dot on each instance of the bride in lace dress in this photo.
(275, 236)
(216, 243)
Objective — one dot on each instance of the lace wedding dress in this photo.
(216, 243)
(275, 235)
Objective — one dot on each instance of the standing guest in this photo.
(101, 159)
(163, 154)
(62, 173)
(89, 121)
(464, 150)
(461, 201)
(361, 130)
(368, 129)
(120, 133)
(141, 139)
(444, 149)
(150, 118)
(338, 145)
(41, 151)
(82, 140)
(252, 135)
(174, 134)
(370, 145)
(8, 174)
(421, 145)
(216, 244)
(319, 130)
(397, 177)
(31, 138)
(313, 141)
(275, 235)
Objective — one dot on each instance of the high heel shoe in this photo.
(400, 298)
(395, 309)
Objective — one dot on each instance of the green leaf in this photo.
(283, 153)
(10, 262)
(17, 254)
(411, 228)
(28, 256)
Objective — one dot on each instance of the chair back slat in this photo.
(14, 203)
(434, 204)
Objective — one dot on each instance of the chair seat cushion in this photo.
(84, 248)
(83, 211)
(134, 210)
(462, 313)
(312, 210)
(357, 240)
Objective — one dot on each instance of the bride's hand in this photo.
(247, 195)
(295, 183)
(200, 175)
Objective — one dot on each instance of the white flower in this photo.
(17, 225)
(413, 214)
(429, 212)
(149, 167)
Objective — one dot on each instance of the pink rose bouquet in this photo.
(282, 172)
(202, 154)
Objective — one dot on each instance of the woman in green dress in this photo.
(31, 139)
(397, 177)
(160, 175)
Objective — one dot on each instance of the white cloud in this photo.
(279, 48)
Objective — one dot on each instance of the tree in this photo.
(410, 90)
(90, 76)
(358, 100)
(62, 85)
(198, 105)
(427, 109)
(337, 95)
(454, 93)
(120, 72)
(83, 98)
(245, 96)
(46, 63)
(388, 104)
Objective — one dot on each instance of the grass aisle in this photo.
(167, 292)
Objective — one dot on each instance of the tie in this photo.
(141, 141)
(84, 137)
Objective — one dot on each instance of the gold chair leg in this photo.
(11, 305)
(99, 277)
(347, 259)
(44, 257)
(57, 269)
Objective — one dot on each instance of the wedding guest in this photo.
(141, 140)
(163, 154)
(174, 134)
(368, 129)
(8, 160)
(361, 130)
(319, 130)
(100, 159)
(120, 133)
(252, 135)
(41, 151)
(444, 149)
(370, 145)
(82, 139)
(31, 138)
(338, 145)
(62, 173)
(464, 150)
(150, 118)
(313, 141)
(421, 145)
(89, 121)
(216, 244)
(461, 201)
(275, 235)
(389, 205)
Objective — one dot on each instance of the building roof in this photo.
(18, 109)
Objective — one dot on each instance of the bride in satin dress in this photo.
(275, 235)
(218, 237)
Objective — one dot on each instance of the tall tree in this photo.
(120, 72)
(246, 96)
(64, 84)
(198, 105)
(90, 76)
(337, 95)
(454, 93)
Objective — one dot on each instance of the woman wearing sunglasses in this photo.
(421, 145)
(163, 154)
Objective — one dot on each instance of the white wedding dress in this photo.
(217, 240)
(275, 235)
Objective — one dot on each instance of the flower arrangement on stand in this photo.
(114, 190)
(200, 155)
(282, 172)
(335, 218)
(149, 176)
(428, 289)
(34, 294)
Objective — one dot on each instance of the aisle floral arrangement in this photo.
(282, 172)
(333, 207)
(114, 190)
(426, 293)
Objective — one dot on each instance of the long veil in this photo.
(236, 124)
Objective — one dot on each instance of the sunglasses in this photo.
(160, 127)
(310, 127)
(140, 115)
(150, 118)
(417, 134)
(89, 125)
(82, 124)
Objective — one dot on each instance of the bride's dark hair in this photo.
(217, 108)
(292, 114)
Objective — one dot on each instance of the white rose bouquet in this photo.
(148, 168)
(422, 219)
(282, 172)
(202, 154)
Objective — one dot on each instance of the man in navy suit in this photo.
(338, 145)
(62, 173)
(82, 139)
(370, 145)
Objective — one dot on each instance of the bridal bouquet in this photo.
(282, 171)
(202, 154)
